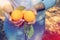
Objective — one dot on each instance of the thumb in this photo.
(34, 10)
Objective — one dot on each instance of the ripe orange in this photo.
(29, 16)
(16, 15)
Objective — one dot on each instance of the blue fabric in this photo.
(14, 33)
(25, 3)
(49, 3)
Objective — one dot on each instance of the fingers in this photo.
(32, 22)
(10, 19)
(19, 24)
(16, 22)
(34, 10)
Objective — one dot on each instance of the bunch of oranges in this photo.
(28, 16)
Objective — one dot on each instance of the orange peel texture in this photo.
(16, 15)
(29, 16)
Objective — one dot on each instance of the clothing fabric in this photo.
(12, 32)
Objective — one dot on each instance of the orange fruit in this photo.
(29, 16)
(16, 15)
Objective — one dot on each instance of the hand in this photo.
(17, 23)
(32, 22)
(35, 12)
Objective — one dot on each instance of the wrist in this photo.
(39, 6)
(34, 10)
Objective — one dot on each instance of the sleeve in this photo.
(3, 3)
(49, 3)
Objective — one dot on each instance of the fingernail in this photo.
(28, 23)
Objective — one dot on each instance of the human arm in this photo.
(43, 5)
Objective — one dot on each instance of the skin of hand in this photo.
(39, 6)
(35, 8)
(9, 8)
(17, 23)
(21, 21)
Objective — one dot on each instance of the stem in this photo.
(27, 28)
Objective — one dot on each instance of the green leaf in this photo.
(21, 8)
(30, 32)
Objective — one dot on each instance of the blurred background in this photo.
(52, 24)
